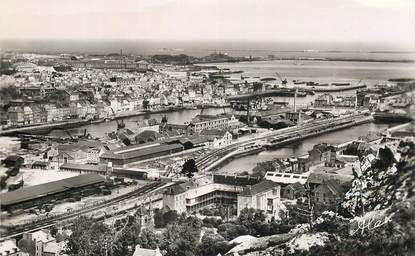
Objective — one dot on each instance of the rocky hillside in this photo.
(383, 179)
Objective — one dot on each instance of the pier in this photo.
(45, 128)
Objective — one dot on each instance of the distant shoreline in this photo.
(315, 59)
(264, 50)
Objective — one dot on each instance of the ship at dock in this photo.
(398, 108)
(393, 116)
(325, 87)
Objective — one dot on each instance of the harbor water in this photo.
(247, 163)
(324, 71)
(101, 129)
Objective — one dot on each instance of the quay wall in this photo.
(237, 154)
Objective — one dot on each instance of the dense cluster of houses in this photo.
(97, 90)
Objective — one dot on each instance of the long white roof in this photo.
(287, 178)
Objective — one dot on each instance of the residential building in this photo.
(293, 191)
(16, 115)
(27, 115)
(320, 153)
(330, 192)
(335, 163)
(263, 196)
(43, 242)
(39, 114)
(52, 113)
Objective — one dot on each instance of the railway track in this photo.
(278, 136)
(13, 231)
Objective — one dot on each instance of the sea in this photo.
(280, 49)
(370, 73)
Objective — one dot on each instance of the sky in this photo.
(390, 21)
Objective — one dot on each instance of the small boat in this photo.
(97, 121)
(340, 84)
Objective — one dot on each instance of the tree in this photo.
(148, 239)
(189, 168)
(170, 217)
(53, 231)
(3, 182)
(254, 221)
(262, 168)
(129, 237)
(180, 240)
(192, 221)
(249, 215)
(212, 244)
(230, 231)
(91, 238)
(211, 222)
(87, 238)
(159, 218)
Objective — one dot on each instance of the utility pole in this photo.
(310, 204)
(295, 100)
(247, 111)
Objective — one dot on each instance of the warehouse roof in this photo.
(50, 188)
(196, 140)
(140, 151)
(84, 167)
(100, 169)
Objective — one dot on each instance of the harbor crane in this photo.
(283, 81)
(120, 125)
